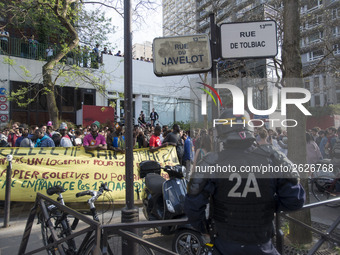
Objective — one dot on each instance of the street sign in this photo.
(249, 39)
(3, 118)
(3, 99)
(2, 91)
(3, 107)
(181, 55)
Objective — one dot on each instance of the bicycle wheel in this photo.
(60, 224)
(323, 188)
(46, 234)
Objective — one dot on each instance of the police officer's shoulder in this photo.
(278, 158)
(198, 179)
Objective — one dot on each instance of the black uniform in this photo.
(243, 203)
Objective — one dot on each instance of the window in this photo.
(307, 85)
(317, 100)
(316, 84)
(303, 9)
(336, 49)
(316, 20)
(315, 37)
(314, 4)
(336, 31)
(314, 55)
(335, 13)
(146, 108)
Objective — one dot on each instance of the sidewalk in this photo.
(10, 237)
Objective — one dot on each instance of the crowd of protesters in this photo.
(97, 136)
(321, 144)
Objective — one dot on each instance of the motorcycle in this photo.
(164, 200)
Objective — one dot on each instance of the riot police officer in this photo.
(243, 199)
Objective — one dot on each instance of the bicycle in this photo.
(324, 187)
(63, 229)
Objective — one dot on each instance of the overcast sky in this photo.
(141, 32)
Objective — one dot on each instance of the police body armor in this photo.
(243, 204)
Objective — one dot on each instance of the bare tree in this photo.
(296, 135)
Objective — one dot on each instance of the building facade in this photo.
(320, 40)
(168, 95)
(179, 17)
(142, 51)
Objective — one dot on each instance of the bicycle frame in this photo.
(93, 227)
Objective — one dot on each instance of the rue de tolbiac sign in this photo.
(181, 55)
(249, 40)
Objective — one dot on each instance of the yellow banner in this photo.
(37, 169)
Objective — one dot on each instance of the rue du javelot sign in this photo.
(249, 39)
(181, 55)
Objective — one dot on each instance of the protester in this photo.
(188, 155)
(174, 138)
(14, 134)
(155, 141)
(119, 140)
(65, 138)
(94, 140)
(78, 141)
(153, 117)
(43, 140)
(312, 150)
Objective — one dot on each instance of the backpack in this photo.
(180, 150)
(26, 142)
(56, 137)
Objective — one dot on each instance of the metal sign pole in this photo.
(8, 191)
(214, 55)
(130, 212)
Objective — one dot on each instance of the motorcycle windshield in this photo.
(174, 192)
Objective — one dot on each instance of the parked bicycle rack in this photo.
(124, 229)
(108, 230)
(39, 202)
(325, 236)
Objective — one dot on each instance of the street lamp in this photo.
(261, 87)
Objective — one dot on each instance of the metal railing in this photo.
(30, 49)
(101, 232)
(93, 226)
(324, 236)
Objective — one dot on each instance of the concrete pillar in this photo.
(138, 106)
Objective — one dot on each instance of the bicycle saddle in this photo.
(55, 190)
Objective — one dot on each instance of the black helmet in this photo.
(232, 127)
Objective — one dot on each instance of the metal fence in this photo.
(324, 236)
(32, 49)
